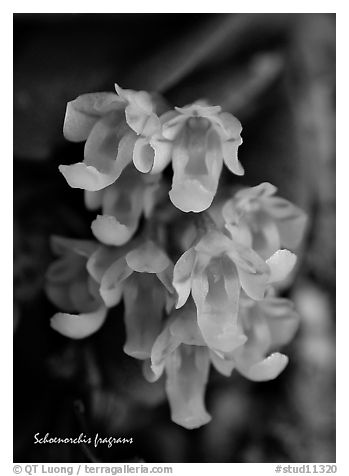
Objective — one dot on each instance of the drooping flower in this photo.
(110, 124)
(71, 288)
(259, 219)
(198, 138)
(141, 274)
(268, 325)
(182, 353)
(123, 203)
(214, 271)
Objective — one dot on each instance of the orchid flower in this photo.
(214, 271)
(268, 324)
(123, 203)
(70, 287)
(259, 219)
(182, 353)
(110, 124)
(142, 276)
(198, 138)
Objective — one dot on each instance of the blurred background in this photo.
(276, 73)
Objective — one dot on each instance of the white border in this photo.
(342, 195)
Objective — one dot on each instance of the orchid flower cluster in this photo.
(207, 295)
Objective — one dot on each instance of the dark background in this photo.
(276, 73)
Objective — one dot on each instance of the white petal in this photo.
(213, 243)
(266, 237)
(172, 127)
(166, 278)
(135, 118)
(216, 309)
(282, 320)
(148, 258)
(143, 156)
(143, 100)
(292, 230)
(151, 156)
(182, 276)
(110, 231)
(267, 369)
(223, 366)
(230, 156)
(82, 113)
(102, 143)
(191, 196)
(111, 287)
(124, 153)
(162, 154)
(254, 285)
(63, 246)
(143, 322)
(100, 261)
(263, 190)
(185, 327)
(230, 125)
(187, 372)
(230, 212)
(253, 271)
(163, 346)
(148, 373)
(86, 177)
(79, 326)
(142, 121)
(242, 234)
(281, 264)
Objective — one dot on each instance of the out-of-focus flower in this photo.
(198, 138)
(71, 288)
(181, 351)
(142, 276)
(268, 325)
(123, 204)
(214, 271)
(110, 124)
(257, 218)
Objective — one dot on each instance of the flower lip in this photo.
(79, 326)
(148, 258)
(182, 196)
(108, 230)
(86, 177)
(191, 422)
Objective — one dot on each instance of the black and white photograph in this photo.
(174, 240)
